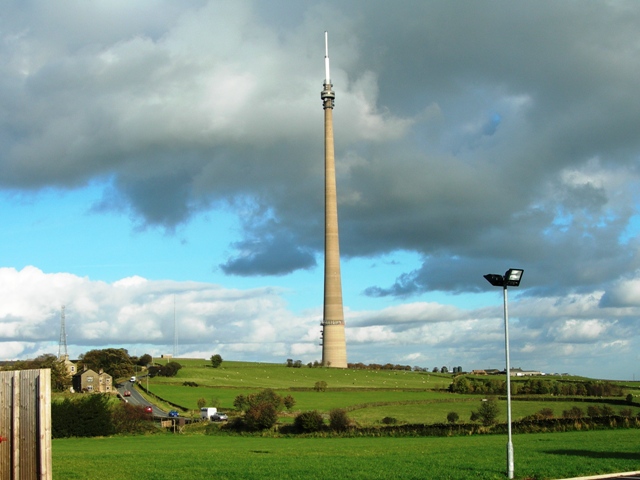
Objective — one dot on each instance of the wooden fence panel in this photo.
(25, 425)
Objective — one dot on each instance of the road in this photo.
(136, 398)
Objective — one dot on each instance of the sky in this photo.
(162, 164)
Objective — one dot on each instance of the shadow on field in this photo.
(593, 454)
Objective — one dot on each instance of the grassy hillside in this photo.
(369, 396)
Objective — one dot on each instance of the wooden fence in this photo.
(25, 425)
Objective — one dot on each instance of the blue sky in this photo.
(172, 152)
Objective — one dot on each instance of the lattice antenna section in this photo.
(62, 345)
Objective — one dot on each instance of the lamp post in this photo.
(511, 278)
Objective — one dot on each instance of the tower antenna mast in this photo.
(334, 346)
(62, 345)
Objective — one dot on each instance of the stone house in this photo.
(92, 382)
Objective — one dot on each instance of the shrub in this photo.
(168, 370)
(320, 386)
(488, 412)
(310, 421)
(216, 360)
(240, 402)
(626, 412)
(452, 417)
(201, 402)
(338, 420)
(573, 412)
(261, 416)
(389, 420)
(129, 418)
(289, 402)
(85, 416)
(546, 413)
(266, 396)
(630, 398)
(594, 411)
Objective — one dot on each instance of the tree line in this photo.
(534, 386)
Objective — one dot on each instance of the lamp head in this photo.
(511, 278)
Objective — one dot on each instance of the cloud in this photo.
(138, 311)
(476, 139)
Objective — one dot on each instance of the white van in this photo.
(207, 412)
(132, 379)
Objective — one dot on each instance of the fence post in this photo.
(25, 424)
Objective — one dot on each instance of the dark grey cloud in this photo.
(480, 135)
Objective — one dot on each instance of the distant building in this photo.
(71, 367)
(518, 372)
(92, 382)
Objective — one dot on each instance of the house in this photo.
(92, 382)
(71, 367)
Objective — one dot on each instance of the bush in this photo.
(168, 370)
(289, 402)
(129, 418)
(338, 420)
(310, 421)
(320, 386)
(452, 417)
(488, 412)
(389, 421)
(241, 403)
(630, 398)
(216, 360)
(85, 416)
(201, 402)
(573, 412)
(261, 416)
(266, 396)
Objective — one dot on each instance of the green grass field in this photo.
(410, 397)
(191, 457)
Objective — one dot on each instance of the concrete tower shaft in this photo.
(334, 346)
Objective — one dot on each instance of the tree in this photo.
(289, 402)
(338, 420)
(267, 395)
(320, 386)
(201, 402)
(168, 370)
(452, 417)
(216, 360)
(114, 361)
(310, 421)
(145, 360)
(60, 378)
(573, 412)
(241, 403)
(630, 398)
(488, 411)
(260, 416)
(129, 418)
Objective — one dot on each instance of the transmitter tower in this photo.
(334, 345)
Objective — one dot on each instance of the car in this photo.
(148, 409)
(219, 417)
(126, 393)
(132, 379)
(173, 413)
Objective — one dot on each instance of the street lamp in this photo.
(511, 278)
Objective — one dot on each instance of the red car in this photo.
(148, 409)
(126, 393)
